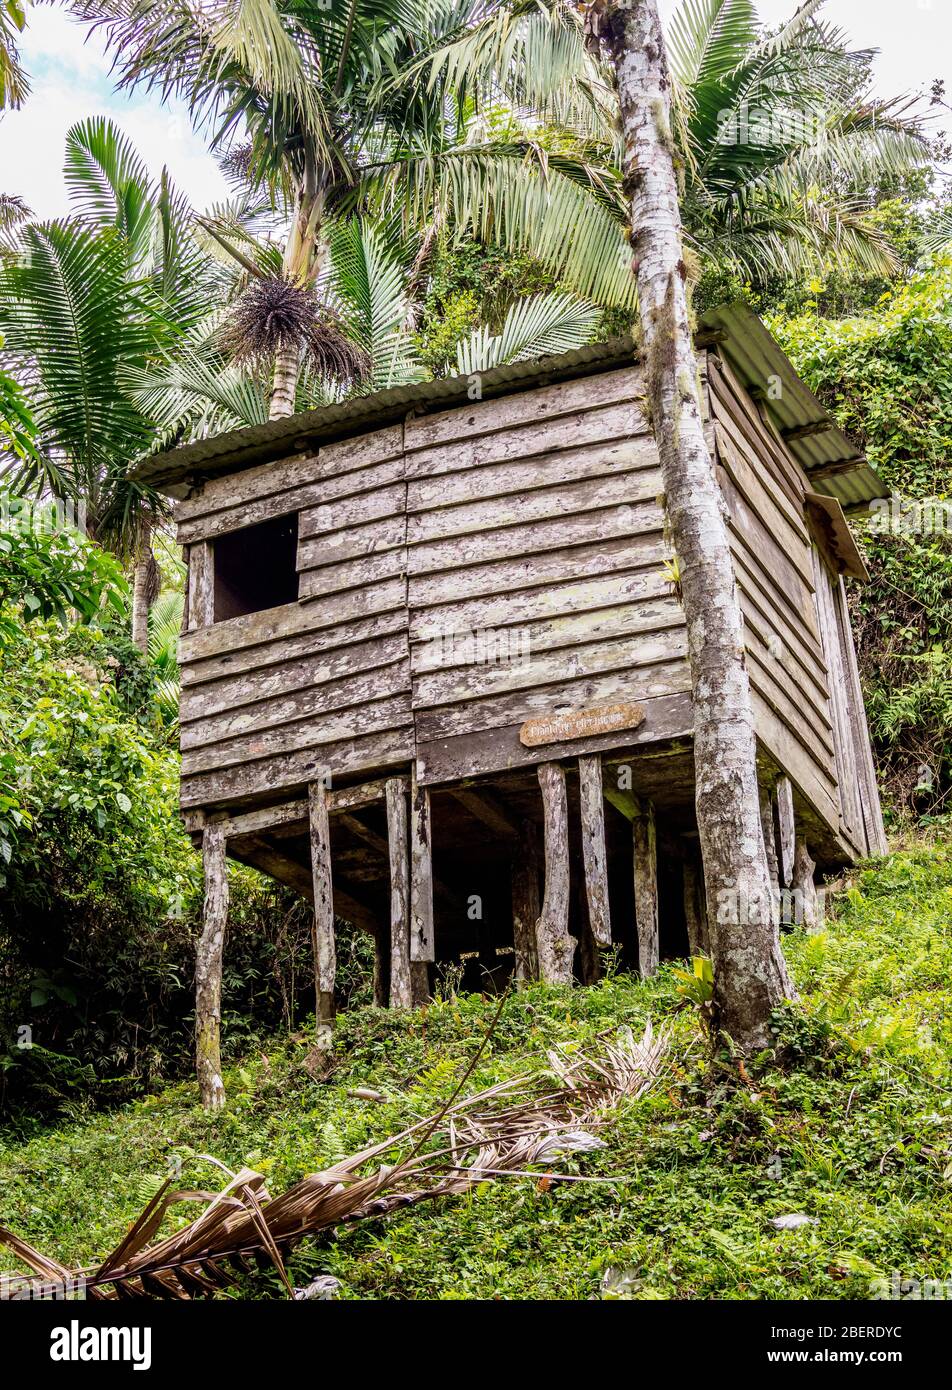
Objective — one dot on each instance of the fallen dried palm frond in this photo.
(508, 1129)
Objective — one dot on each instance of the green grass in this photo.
(851, 1125)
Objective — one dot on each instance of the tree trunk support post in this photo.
(325, 951)
(525, 903)
(401, 988)
(806, 898)
(592, 807)
(554, 945)
(208, 969)
(750, 974)
(645, 852)
(787, 831)
(422, 936)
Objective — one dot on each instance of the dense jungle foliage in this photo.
(130, 323)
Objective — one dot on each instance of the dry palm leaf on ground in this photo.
(509, 1129)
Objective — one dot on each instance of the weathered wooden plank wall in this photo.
(531, 523)
(535, 519)
(274, 698)
(535, 524)
(771, 545)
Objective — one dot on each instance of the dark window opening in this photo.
(256, 568)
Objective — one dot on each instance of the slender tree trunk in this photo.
(141, 584)
(300, 267)
(750, 976)
(208, 970)
(287, 369)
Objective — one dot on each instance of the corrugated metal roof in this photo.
(741, 337)
(768, 374)
(243, 448)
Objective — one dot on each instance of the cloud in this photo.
(70, 81)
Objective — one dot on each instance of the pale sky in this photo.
(71, 80)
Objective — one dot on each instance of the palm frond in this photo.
(539, 326)
(195, 394)
(14, 87)
(369, 281)
(521, 1128)
(568, 213)
(107, 181)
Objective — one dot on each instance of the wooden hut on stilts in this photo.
(434, 668)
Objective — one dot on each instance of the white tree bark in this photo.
(749, 971)
(287, 369)
(140, 589)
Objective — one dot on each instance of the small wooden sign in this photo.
(582, 723)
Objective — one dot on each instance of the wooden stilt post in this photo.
(786, 838)
(644, 845)
(554, 945)
(592, 804)
(804, 887)
(770, 841)
(381, 964)
(325, 951)
(694, 916)
(401, 989)
(525, 902)
(422, 937)
(208, 967)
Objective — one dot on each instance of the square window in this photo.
(256, 568)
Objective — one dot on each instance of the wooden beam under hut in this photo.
(325, 951)
(555, 946)
(645, 852)
(786, 831)
(422, 931)
(208, 970)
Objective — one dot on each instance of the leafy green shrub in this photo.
(887, 379)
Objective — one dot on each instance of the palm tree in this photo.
(84, 300)
(13, 83)
(368, 286)
(332, 128)
(778, 142)
(750, 976)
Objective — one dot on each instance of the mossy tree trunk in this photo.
(208, 970)
(749, 970)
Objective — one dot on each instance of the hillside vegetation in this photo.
(848, 1121)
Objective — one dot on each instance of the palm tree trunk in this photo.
(300, 266)
(287, 368)
(750, 976)
(141, 584)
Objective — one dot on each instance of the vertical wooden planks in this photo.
(592, 806)
(325, 953)
(208, 969)
(422, 940)
(867, 787)
(525, 902)
(401, 990)
(554, 945)
(201, 585)
(644, 846)
(845, 751)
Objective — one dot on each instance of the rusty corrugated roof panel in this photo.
(768, 374)
(742, 338)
